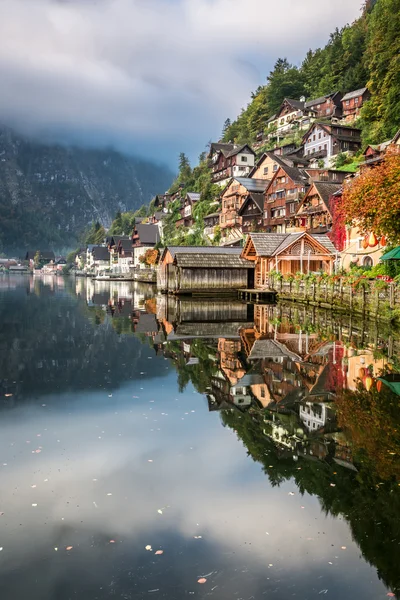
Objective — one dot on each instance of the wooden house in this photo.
(144, 236)
(325, 140)
(44, 257)
(204, 269)
(233, 197)
(252, 212)
(292, 114)
(326, 106)
(161, 201)
(112, 245)
(210, 222)
(288, 253)
(186, 211)
(324, 174)
(125, 255)
(352, 103)
(282, 197)
(230, 160)
(269, 163)
(314, 212)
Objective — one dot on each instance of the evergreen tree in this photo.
(225, 129)
(284, 81)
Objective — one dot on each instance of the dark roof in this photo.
(126, 244)
(100, 253)
(271, 244)
(253, 185)
(214, 214)
(219, 146)
(237, 150)
(148, 233)
(295, 174)
(174, 250)
(44, 254)
(297, 104)
(354, 94)
(114, 239)
(159, 215)
(319, 100)
(326, 189)
(258, 199)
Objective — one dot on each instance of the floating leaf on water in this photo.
(159, 511)
(343, 547)
(112, 541)
(390, 594)
(69, 547)
(202, 580)
(159, 552)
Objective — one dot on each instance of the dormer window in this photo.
(244, 159)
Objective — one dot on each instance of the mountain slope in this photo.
(50, 194)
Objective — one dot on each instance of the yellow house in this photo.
(355, 253)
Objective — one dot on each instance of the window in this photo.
(328, 110)
(222, 218)
(309, 139)
(318, 106)
(347, 102)
(291, 208)
(265, 170)
(368, 262)
(319, 148)
(313, 137)
(319, 135)
(356, 101)
(275, 168)
(244, 159)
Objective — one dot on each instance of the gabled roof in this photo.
(253, 185)
(211, 215)
(257, 198)
(272, 244)
(148, 233)
(354, 94)
(100, 253)
(296, 104)
(193, 196)
(114, 239)
(125, 244)
(271, 349)
(278, 159)
(219, 147)
(319, 100)
(298, 176)
(44, 254)
(237, 150)
(324, 190)
(175, 250)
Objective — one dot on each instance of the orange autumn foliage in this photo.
(373, 199)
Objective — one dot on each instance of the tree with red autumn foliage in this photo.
(372, 200)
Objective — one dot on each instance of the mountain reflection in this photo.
(313, 396)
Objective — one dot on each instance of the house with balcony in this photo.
(112, 245)
(324, 141)
(329, 106)
(144, 236)
(230, 160)
(352, 103)
(314, 213)
(252, 212)
(232, 200)
(125, 255)
(282, 197)
(186, 211)
(210, 222)
(292, 114)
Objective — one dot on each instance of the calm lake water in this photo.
(149, 444)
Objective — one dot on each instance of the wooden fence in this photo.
(374, 298)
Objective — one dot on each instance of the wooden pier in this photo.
(258, 295)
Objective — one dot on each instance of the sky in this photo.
(149, 77)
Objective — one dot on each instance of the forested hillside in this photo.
(49, 195)
(366, 53)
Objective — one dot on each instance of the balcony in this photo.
(233, 222)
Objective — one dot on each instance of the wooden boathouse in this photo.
(288, 253)
(204, 270)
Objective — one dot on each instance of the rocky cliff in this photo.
(49, 194)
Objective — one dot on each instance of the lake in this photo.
(160, 448)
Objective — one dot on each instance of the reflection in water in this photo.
(101, 452)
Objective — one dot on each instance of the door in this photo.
(250, 279)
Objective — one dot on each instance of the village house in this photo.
(282, 197)
(186, 211)
(112, 245)
(98, 258)
(314, 213)
(144, 236)
(230, 160)
(324, 174)
(210, 222)
(233, 197)
(252, 212)
(161, 201)
(324, 141)
(125, 255)
(211, 269)
(43, 257)
(292, 114)
(326, 106)
(270, 162)
(352, 103)
(288, 253)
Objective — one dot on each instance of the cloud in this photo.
(154, 75)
